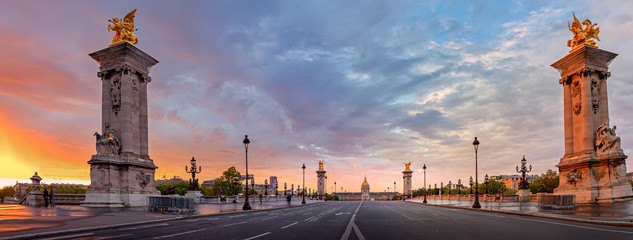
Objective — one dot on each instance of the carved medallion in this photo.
(574, 176)
(575, 96)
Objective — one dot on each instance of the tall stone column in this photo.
(321, 183)
(407, 182)
(122, 173)
(593, 166)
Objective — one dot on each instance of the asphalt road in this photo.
(363, 220)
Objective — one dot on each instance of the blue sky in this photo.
(363, 85)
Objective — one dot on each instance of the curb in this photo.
(580, 220)
(88, 229)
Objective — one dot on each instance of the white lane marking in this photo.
(306, 213)
(231, 224)
(241, 215)
(351, 225)
(146, 226)
(118, 236)
(182, 233)
(71, 236)
(211, 219)
(287, 226)
(563, 224)
(253, 237)
(406, 216)
(309, 218)
(194, 220)
(269, 218)
(259, 213)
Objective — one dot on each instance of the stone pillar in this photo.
(124, 177)
(593, 166)
(407, 183)
(320, 183)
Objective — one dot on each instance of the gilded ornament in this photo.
(407, 165)
(124, 29)
(582, 36)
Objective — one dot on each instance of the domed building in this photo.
(365, 186)
(365, 194)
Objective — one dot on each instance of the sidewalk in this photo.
(18, 220)
(620, 213)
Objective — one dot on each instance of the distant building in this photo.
(629, 176)
(208, 183)
(174, 179)
(365, 194)
(512, 181)
(273, 182)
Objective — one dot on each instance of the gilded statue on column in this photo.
(583, 36)
(321, 162)
(124, 29)
(407, 165)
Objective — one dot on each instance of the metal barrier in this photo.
(69, 199)
(171, 204)
(557, 201)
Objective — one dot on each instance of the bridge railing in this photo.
(69, 199)
(171, 204)
(567, 201)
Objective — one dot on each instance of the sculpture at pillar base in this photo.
(593, 167)
(121, 172)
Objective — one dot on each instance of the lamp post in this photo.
(253, 187)
(425, 190)
(394, 186)
(292, 189)
(266, 189)
(304, 184)
(449, 189)
(471, 185)
(486, 182)
(476, 203)
(246, 206)
(235, 183)
(459, 186)
(285, 186)
(334, 187)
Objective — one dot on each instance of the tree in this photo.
(494, 187)
(549, 178)
(180, 188)
(224, 184)
(6, 191)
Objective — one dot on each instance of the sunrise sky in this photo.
(363, 85)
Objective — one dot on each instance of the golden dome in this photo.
(365, 183)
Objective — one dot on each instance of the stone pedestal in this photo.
(196, 195)
(122, 173)
(593, 167)
(35, 198)
(524, 195)
(321, 182)
(407, 182)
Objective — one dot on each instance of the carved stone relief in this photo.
(576, 97)
(574, 176)
(143, 179)
(115, 95)
(135, 97)
(595, 95)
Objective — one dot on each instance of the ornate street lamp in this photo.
(252, 186)
(334, 187)
(236, 183)
(523, 184)
(459, 186)
(394, 187)
(247, 206)
(304, 184)
(476, 203)
(266, 187)
(425, 190)
(471, 185)
(486, 182)
(449, 189)
(285, 187)
(193, 182)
